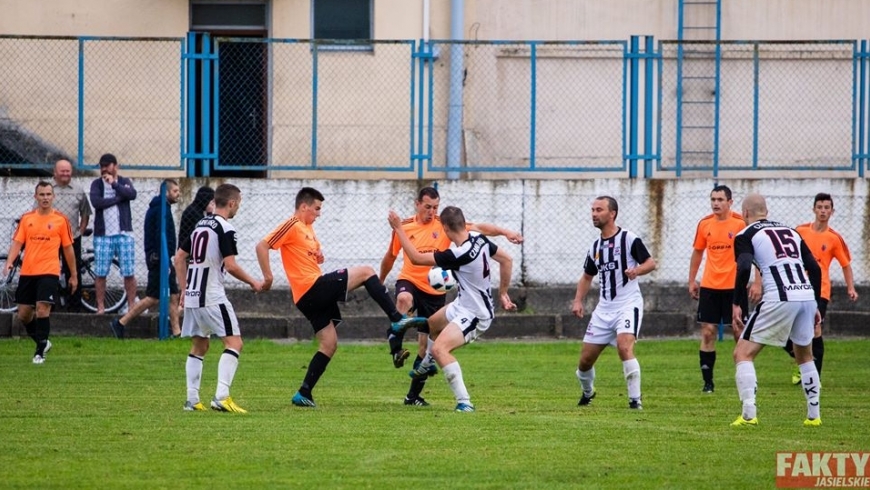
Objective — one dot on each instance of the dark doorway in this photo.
(236, 29)
(242, 135)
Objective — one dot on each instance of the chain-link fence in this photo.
(554, 216)
(78, 98)
(206, 104)
(765, 106)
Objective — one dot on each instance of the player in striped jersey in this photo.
(471, 313)
(618, 257)
(715, 237)
(826, 245)
(211, 248)
(791, 281)
(43, 230)
(413, 292)
(317, 295)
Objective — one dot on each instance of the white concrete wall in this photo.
(554, 217)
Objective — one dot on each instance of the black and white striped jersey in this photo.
(470, 264)
(212, 239)
(608, 258)
(783, 259)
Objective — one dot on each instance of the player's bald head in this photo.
(754, 207)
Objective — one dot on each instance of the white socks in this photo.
(193, 368)
(587, 380)
(747, 383)
(631, 370)
(226, 371)
(812, 388)
(453, 375)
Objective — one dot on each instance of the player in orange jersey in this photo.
(43, 230)
(413, 291)
(826, 245)
(715, 236)
(317, 295)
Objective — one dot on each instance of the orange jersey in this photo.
(299, 248)
(426, 238)
(825, 246)
(716, 237)
(43, 235)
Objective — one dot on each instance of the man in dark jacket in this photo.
(113, 229)
(152, 259)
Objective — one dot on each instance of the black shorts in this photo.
(425, 304)
(152, 289)
(37, 289)
(714, 306)
(320, 303)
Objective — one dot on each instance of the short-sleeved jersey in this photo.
(43, 235)
(776, 250)
(825, 246)
(213, 239)
(608, 258)
(716, 237)
(299, 248)
(470, 263)
(426, 238)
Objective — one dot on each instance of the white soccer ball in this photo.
(441, 280)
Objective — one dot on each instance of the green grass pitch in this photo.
(102, 413)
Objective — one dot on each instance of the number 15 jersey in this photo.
(213, 239)
(780, 254)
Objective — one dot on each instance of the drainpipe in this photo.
(457, 72)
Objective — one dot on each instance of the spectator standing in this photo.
(113, 229)
(152, 259)
(71, 199)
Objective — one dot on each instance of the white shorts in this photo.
(219, 320)
(773, 323)
(606, 324)
(472, 327)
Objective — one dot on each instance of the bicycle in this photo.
(116, 295)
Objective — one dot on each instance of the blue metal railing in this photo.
(637, 111)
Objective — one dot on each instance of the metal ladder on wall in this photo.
(698, 85)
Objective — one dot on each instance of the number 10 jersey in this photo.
(213, 239)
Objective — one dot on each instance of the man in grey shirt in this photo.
(71, 200)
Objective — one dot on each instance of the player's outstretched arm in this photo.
(505, 263)
(408, 248)
(493, 230)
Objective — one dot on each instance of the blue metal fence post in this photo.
(313, 104)
(190, 49)
(205, 125)
(533, 96)
(632, 107)
(81, 121)
(648, 117)
(755, 83)
(859, 80)
(163, 326)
